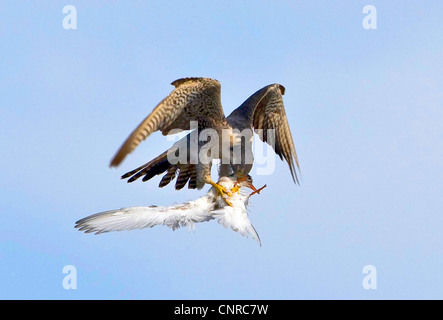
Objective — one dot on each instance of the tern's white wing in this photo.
(236, 217)
(206, 208)
(146, 217)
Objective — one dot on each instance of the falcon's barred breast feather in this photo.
(199, 99)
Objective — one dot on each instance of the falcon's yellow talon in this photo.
(235, 189)
(220, 189)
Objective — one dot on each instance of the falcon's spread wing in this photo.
(193, 99)
(265, 110)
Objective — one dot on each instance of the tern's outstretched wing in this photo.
(265, 110)
(193, 99)
(209, 207)
(131, 218)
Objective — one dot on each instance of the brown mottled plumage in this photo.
(198, 99)
(193, 99)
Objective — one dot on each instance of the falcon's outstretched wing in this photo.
(265, 110)
(193, 99)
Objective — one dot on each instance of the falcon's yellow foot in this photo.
(235, 189)
(221, 191)
(228, 202)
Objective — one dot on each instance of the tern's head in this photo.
(245, 181)
(237, 182)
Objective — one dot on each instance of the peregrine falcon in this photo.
(197, 100)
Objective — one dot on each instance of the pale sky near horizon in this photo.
(365, 108)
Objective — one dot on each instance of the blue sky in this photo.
(365, 109)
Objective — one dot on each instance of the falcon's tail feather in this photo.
(185, 172)
(154, 167)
